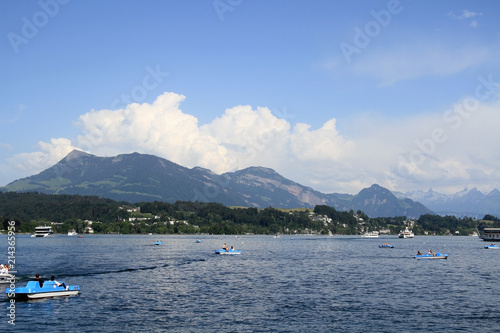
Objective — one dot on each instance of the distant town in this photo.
(93, 215)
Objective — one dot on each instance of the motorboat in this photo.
(72, 233)
(33, 290)
(492, 247)
(387, 245)
(370, 234)
(407, 233)
(436, 255)
(42, 232)
(227, 251)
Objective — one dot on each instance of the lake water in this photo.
(305, 284)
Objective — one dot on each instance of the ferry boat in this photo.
(407, 233)
(490, 234)
(42, 232)
(370, 234)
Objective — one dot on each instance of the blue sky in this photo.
(336, 95)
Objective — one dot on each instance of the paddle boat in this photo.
(198, 241)
(227, 251)
(387, 245)
(158, 243)
(436, 255)
(492, 246)
(32, 290)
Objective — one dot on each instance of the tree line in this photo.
(66, 212)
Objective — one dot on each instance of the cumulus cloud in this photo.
(444, 150)
(240, 137)
(322, 144)
(49, 153)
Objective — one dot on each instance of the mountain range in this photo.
(141, 177)
(470, 203)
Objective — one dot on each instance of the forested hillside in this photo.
(92, 214)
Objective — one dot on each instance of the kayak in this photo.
(222, 251)
(430, 256)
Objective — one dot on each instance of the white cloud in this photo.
(241, 137)
(322, 144)
(464, 14)
(5, 146)
(466, 148)
(401, 154)
(417, 60)
(49, 154)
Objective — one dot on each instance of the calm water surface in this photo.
(305, 284)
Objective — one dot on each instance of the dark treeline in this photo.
(183, 217)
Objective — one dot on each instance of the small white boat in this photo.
(407, 233)
(72, 233)
(6, 277)
(370, 234)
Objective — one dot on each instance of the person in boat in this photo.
(419, 253)
(232, 248)
(40, 281)
(4, 269)
(431, 253)
(224, 247)
(59, 284)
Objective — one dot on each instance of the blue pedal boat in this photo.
(32, 290)
(386, 245)
(223, 251)
(158, 243)
(436, 255)
(492, 247)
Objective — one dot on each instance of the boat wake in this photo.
(23, 278)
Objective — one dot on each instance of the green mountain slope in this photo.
(140, 177)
